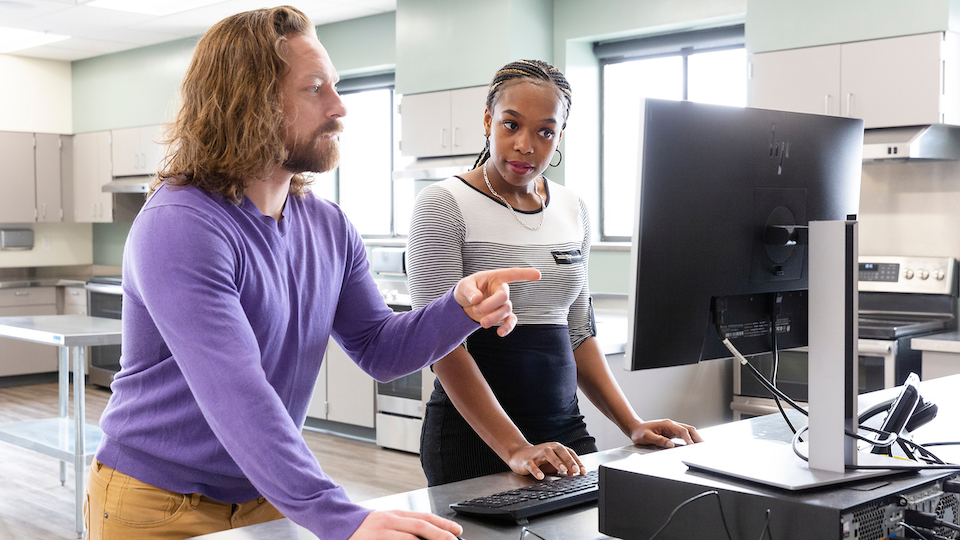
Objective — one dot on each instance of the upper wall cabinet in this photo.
(91, 170)
(136, 151)
(49, 176)
(32, 177)
(448, 123)
(18, 202)
(901, 81)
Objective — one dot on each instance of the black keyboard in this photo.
(536, 499)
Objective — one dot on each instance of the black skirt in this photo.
(533, 374)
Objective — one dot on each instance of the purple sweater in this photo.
(226, 316)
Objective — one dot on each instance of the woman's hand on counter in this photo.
(550, 458)
(485, 296)
(393, 523)
(659, 433)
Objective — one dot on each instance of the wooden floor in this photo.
(33, 504)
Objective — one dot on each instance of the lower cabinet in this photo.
(20, 357)
(344, 393)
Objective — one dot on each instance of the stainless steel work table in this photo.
(60, 437)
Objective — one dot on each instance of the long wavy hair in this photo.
(229, 127)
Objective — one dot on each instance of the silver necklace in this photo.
(536, 189)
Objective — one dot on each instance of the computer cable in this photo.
(890, 437)
(766, 528)
(775, 354)
(927, 520)
(920, 535)
(690, 500)
(763, 380)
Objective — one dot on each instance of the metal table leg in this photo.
(63, 371)
(79, 365)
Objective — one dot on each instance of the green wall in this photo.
(447, 44)
(108, 242)
(786, 24)
(130, 88)
(362, 46)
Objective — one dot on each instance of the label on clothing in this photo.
(567, 257)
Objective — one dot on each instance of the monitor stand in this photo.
(833, 384)
(773, 463)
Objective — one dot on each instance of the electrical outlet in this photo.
(45, 243)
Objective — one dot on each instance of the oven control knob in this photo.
(940, 275)
(924, 274)
(908, 274)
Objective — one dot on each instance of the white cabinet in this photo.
(19, 357)
(899, 81)
(74, 301)
(17, 181)
(344, 393)
(135, 151)
(48, 161)
(448, 123)
(91, 170)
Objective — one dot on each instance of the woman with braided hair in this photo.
(511, 404)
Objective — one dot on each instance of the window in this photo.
(707, 66)
(362, 185)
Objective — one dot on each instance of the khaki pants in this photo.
(119, 507)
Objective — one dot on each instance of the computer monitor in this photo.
(714, 245)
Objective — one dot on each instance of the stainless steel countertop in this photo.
(41, 282)
(62, 330)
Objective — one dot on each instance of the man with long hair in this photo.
(234, 279)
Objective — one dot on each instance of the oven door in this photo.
(104, 301)
(877, 371)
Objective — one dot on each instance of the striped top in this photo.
(457, 230)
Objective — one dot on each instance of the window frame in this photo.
(683, 44)
(354, 85)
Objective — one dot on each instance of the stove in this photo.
(104, 298)
(900, 298)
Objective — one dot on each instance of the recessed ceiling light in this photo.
(9, 4)
(15, 39)
(151, 7)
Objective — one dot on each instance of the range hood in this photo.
(128, 184)
(933, 142)
(435, 168)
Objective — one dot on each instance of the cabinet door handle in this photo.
(443, 137)
(849, 99)
(21, 293)
(93, 210)
(456, 137)
(143, 161)
(136, 161)
(826, 104)
(43, 210)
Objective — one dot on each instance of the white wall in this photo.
(910, 209)
(55, 244)
(35, 95)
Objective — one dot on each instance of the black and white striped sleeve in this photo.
(434, 247)
(580, 317)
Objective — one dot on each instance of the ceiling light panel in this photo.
(16, 39)
(151, 7)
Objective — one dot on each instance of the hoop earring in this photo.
(561, 159)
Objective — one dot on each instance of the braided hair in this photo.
(535, 71)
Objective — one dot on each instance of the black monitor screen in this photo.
(719, 240)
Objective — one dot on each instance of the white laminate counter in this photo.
(940, 354)
(948, 342)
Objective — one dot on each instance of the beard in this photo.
(315, 153)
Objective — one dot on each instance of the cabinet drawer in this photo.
(28, 296)
(21, 357)
(75, 296)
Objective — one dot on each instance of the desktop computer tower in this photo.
(638, 494)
